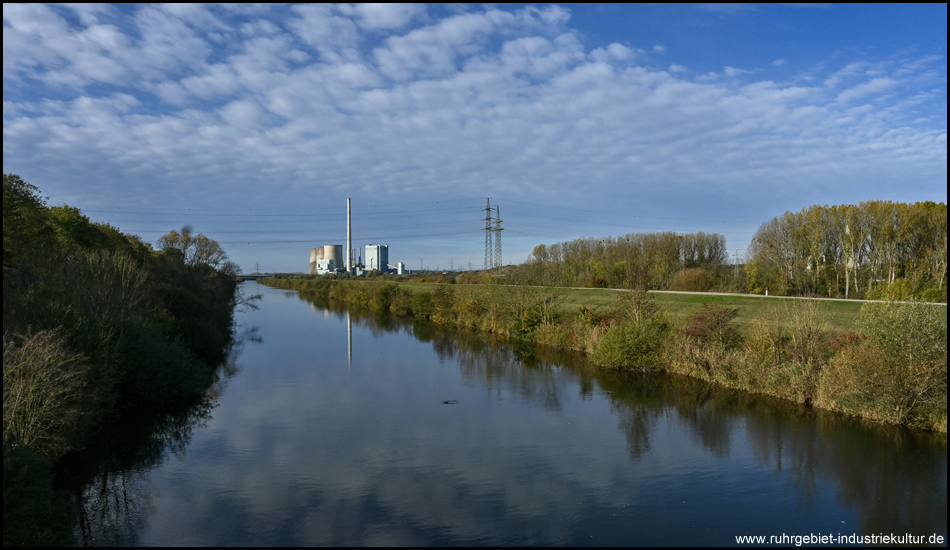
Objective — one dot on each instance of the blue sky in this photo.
(253, 124)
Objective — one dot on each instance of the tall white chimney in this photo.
(349, 238)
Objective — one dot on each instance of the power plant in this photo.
(329, 258)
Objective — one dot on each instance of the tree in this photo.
(25, 218)
(196, 249)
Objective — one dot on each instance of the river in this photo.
(333, 428)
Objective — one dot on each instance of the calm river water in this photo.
(421, 436)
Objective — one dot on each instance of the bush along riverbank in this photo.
(893, 370)
(95, 325)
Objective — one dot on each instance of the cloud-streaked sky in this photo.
(253, 124)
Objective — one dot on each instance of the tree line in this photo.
(95, 322)
(650, 260)
(876, 249)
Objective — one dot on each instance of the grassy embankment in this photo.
(840, 315)
(883, 361)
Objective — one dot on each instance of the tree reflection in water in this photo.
(109, 478)
(893, 479)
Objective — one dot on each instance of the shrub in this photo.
(637, 306)
(594, 281)
(443, 305)
(782, 354)
(587, 316)
(898, 290)
(899, 373)
(935, 295)
(863, 380)
(691, 280)
(713, 325)
(337, 291)
(809, 341)
(530, 320)
(906, 331)
(704, 348)
(402, 303)
(422, 305)
(628, 344)
(357, 297)
(44, 385)
(385, 295)
(469, 304)
(537, 308)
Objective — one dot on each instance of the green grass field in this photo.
(840, 315)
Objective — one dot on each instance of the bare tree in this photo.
(196, 249)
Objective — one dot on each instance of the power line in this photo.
(388, 237)
(321, 213)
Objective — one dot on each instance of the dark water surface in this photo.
(431, 437)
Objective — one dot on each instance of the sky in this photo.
(253, 124)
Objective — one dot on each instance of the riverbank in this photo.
(888, 365)
(96, 326)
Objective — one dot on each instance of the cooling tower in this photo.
(334, 252)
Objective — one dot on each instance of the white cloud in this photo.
(335, 37)
(432, 50)
(220, 79)
(259, 27)
(847, 72)
(89, 13)
(620, 52)
(39, 42)
(169, 44)
(613, 52)
(243, 114)
(551, 15)
(873, 86)
(732, 71)
(385, 16)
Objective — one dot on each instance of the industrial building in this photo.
(329, 258)
(326, 259)
(377, 257)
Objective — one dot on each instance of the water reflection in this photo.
(316, 445)
(892, 480)
(114, 506)
(109, 479)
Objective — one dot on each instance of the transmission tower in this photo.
(489, 259)
(498, 229)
